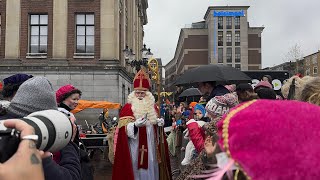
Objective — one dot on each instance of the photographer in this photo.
(26, 162)
(34, 95)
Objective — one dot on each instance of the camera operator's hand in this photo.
(26, 162)
(140, 122)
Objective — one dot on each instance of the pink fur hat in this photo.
(273, 139)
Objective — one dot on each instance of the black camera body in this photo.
(9, 142)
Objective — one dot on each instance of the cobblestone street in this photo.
(103, 167)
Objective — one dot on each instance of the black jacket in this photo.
(69, 167)
(219, 90)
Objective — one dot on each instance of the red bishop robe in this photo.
(122, 167)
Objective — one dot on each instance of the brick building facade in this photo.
(73, 41)
(224, 37)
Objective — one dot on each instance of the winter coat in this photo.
(69, 166)
(86, 168)
(196, 134)
(219, 90)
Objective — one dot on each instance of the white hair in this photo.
(142, 107)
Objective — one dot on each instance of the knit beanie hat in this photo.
(63, 91)
(12, 83)
(192, 104)
(35, 94)
(220, 105)
(200, 108)
(16, 79)
(231, 88)
(263, 84)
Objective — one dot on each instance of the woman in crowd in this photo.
(67, 99)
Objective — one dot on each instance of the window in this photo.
(38, 39)
(220, 22)
(220, 38)
(229, 38)
(229, 55)
(237, 38)
(229, 65)
(308, 72)
(220, 55)
(238, 66)
(237, 22)
(315, 70)
(85, 34)
(229, 22)
(237, 54)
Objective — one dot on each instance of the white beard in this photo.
(142, 107)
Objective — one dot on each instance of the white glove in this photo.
(160, 121)
(140, 122)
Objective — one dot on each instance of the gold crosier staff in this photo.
(163, 169)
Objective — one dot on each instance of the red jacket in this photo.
(196, 135)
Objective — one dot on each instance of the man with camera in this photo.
(26, 162)
(37, 94)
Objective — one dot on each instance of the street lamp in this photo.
(130, 57)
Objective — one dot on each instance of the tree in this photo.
(294, 56)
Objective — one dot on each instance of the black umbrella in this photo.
(212, 72)
(190, 92)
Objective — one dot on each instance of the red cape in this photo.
(122, 167)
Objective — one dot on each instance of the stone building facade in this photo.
(72, 41)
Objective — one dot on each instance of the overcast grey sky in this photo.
(286, 22)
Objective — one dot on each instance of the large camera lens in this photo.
(53, 128)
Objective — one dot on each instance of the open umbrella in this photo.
(193, 93)
(190, 92)
(213, 72)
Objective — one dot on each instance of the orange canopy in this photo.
(84, 104)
